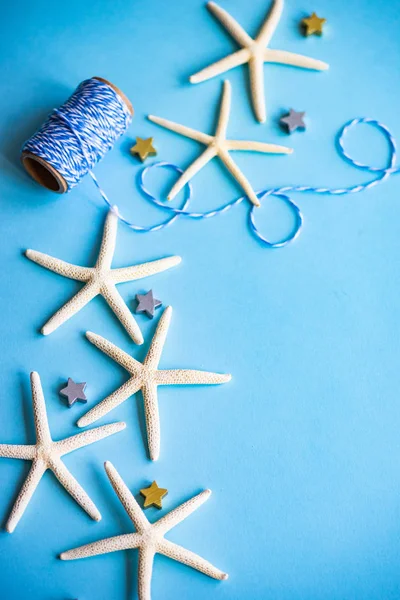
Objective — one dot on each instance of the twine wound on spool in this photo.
(77, 135)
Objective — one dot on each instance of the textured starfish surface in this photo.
(146, 377)
(46, 454)
(149, 537)
(255, 53)
(101, 279)
(218, 145)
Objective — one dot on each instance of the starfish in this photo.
(46, 454)
(74, 391)
(146, 377)
(101, 279)
(149, 537)
(218, 145)
(255, 53)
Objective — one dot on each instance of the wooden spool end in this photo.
(44, 173)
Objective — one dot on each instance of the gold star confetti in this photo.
(143, 148)
(313, 24)
(153, 495)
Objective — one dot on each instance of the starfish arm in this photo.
(122, 312)
(107, 247)
(127, 541)
(43, 435)
(30, 484)
(145, 569)
(221, 66)
(17, 451)
(145, 269)
(127, 499)
(157, 343)
(257, 147)
(224, 111)
(256, 70)
(186, 557)
(230, 24)
(126, 361)
(271, 22)
(179, 514)
(83, 297)
(191, 171)
(190, 377)
(193, 134)
(295, 60)
(152, 419)
(124, 392)
(74, 489)
(88, 437)
(238, 175)
(59, 266)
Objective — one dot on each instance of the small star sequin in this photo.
(313, 24)
(147, 303)
(74, 391)
(153, 495)
(294, 120)
(143, 148)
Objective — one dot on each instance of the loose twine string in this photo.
(95, 116)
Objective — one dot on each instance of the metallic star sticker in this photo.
(101, 279)
(254, 52)
(143, 148)
(147, 303)
(218, 146)
(313, 24)
(294, 120)
(46, 454)
(149, 538)
(153, 495)
(74, 391)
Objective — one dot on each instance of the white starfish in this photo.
(146, 377)
(149, 537)
(255, 53)
(46, 454)
(101, 279)
(218, 145)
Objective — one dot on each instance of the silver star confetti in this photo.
(294, 120)
(147, 304)
(74, 391)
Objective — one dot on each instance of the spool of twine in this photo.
(77, 135)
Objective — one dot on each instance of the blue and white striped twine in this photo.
(90, 122)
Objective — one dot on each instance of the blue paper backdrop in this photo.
(302, 448)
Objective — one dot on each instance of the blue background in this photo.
(302, 448)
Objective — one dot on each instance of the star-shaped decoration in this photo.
(146, 377)
(313, 24)
(46, 454)
(101, 279)
(149, 538)
(294, 120)
(218, 145)
(143, 148)
(74, 391)
(153, 495)
(255, 53)
(147, 303)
